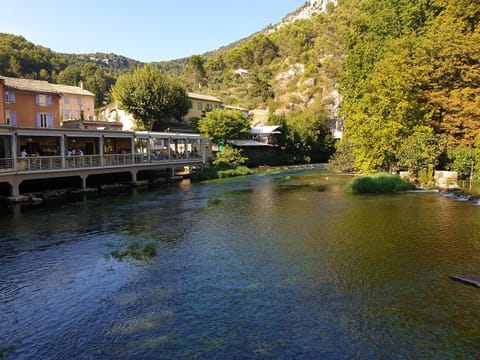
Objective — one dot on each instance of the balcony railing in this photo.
(44, 163)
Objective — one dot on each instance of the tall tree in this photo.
(453, 93)
(307, 135)
(151, 97)
(224, 124)
(421, 150)
(385, 74)
(195, 71)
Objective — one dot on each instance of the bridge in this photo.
(62, 153)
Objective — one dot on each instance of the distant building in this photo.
(113, 115)
(241, 72)
(238, 108)
(265, 134)
(200, 104)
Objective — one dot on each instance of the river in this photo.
(274, 266)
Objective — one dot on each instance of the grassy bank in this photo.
(378, 184)
(216, 173)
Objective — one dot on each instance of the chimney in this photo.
(81, 84)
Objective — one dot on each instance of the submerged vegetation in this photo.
(217, 173)
(5, 350)
(378, 184)
(135, 251)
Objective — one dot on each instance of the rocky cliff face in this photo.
(310, 8)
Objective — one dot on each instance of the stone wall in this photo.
(446, 179)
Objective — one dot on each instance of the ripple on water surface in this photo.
(260, 267)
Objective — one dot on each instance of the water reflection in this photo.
(275, 266)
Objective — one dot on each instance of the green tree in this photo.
(229, 158)
(343, 159)
(261, 87)
(71, 75)
(151, 97)
(385, 75)
(195, 71)
(225, 124)
(421, 150)
(453, 92)
(466, 161)
(307, 135)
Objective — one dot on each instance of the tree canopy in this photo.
(153, 98)
(411, 65)
(225, 124)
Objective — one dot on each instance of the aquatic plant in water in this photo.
(378, 184)
(135, 251)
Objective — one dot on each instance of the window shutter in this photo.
(50, 120)
(37, 100)
(39, 120)
(12, 97)
(13, 118)
(49, 100)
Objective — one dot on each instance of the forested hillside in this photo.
(98, 72)
(407, 72)
(411, 85)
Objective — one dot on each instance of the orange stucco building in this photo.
(39, 104)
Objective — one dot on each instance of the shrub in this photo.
(229, 158)
(216, 173)
(239, 171)
(378, 183)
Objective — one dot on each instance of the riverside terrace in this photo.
(36, 154)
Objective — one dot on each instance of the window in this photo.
(44, 120)
(79, 100)
(209, 106)
(199, 106)
(10, 117)
(9, 97)
(44, 100)
(66, 100)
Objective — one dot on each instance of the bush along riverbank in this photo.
(378, 184)
(219, 173)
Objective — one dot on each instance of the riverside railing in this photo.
(45, 163)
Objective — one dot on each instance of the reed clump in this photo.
(378, 184)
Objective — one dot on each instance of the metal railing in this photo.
(44, 163)
(37, 163)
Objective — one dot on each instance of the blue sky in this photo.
(145, 30)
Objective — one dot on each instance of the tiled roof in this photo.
(67, 89)
(203, 97)
(43, 86)
(265, 130)
(29, 85)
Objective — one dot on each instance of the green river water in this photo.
(274, 266)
